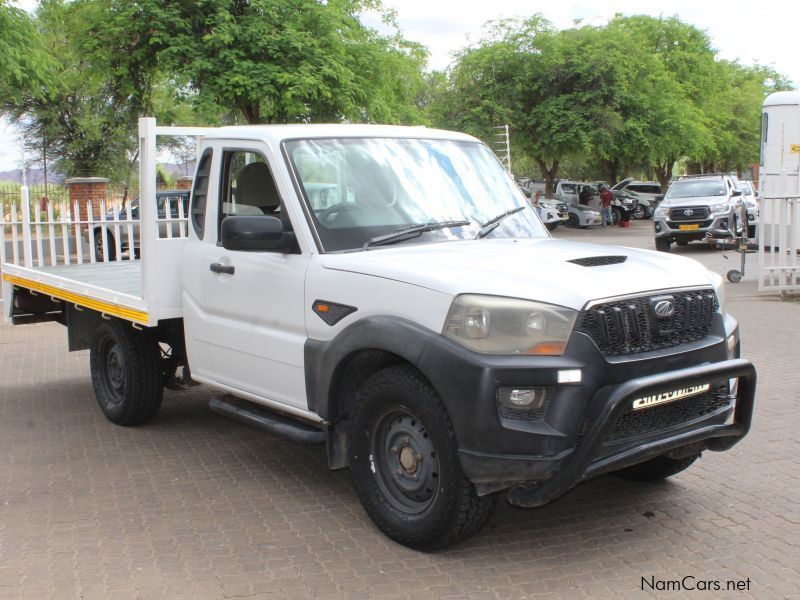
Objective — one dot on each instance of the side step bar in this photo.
(254, 414)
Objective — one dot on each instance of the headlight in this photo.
(661, 212)
(719, 289)
(499, 325)
(719, 209)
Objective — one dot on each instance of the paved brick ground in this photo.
(196, 506)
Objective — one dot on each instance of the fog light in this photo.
(528, 398)
(569, 376)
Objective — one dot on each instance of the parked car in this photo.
(581, 216)
(648, 190)
(696, 207)
(428, 332)
(552, 213)
(586, 194)
(167, 198)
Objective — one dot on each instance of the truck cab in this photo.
(420, 321)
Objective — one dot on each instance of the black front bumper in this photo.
(589, 457)
(574, 438)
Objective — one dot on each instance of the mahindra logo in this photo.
(688, 212)
(664, 308)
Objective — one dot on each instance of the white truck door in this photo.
(254, 301)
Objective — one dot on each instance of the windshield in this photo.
(362, 188)
(696, 189)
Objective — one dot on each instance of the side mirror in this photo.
(736, 193)
(255, 233)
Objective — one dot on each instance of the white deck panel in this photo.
(123, 278)
(115, 283)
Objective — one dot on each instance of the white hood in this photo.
(535, 269)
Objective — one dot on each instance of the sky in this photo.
(761, 32)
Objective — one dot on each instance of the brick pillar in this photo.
(84, 189)
(184, 182)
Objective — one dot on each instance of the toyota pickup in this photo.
(389, 293)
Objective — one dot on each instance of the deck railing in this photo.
(67, 233)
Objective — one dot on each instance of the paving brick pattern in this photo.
(197, 506)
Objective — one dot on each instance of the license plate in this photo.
(689, 227)
(671, 396)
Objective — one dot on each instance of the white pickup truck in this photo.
(389, 292)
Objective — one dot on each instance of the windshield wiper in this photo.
(494, 223)
(406, 233)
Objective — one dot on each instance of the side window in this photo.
(568, 188)
(247, 186)
(200, 193)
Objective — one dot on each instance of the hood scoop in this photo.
(598, 261)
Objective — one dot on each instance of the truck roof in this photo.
(782, 98)
(279, 133)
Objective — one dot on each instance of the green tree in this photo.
(272, 61)
(23, 63)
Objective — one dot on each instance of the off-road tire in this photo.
(391, 402)
(127, 373)
(657, 468)
(663, 244)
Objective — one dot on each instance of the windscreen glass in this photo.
(362, 188)
(696, 189)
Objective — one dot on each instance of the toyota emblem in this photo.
(664, 309)
(688, 212)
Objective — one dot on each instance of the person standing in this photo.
(606, 197)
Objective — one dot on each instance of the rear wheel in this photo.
(404, 464)
(98, 246)
(663, 244)
(127, 373)
(657, 468)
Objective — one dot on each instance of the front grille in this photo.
(631, 325)
(634, 423)
(598, 261)
(698, 213)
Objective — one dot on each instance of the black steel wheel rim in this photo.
(404, 461)
(113, 370)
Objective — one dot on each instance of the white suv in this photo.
(696, 207)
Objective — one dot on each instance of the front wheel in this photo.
(663, 244)
(551, 226)
(573, 222)
(127, 373)
(657, 468)
(639, 212)
(404, 464)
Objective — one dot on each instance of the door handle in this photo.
(220, 268)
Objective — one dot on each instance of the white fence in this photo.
(66, 233)
(779, 244)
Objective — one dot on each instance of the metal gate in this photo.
(779, 244)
